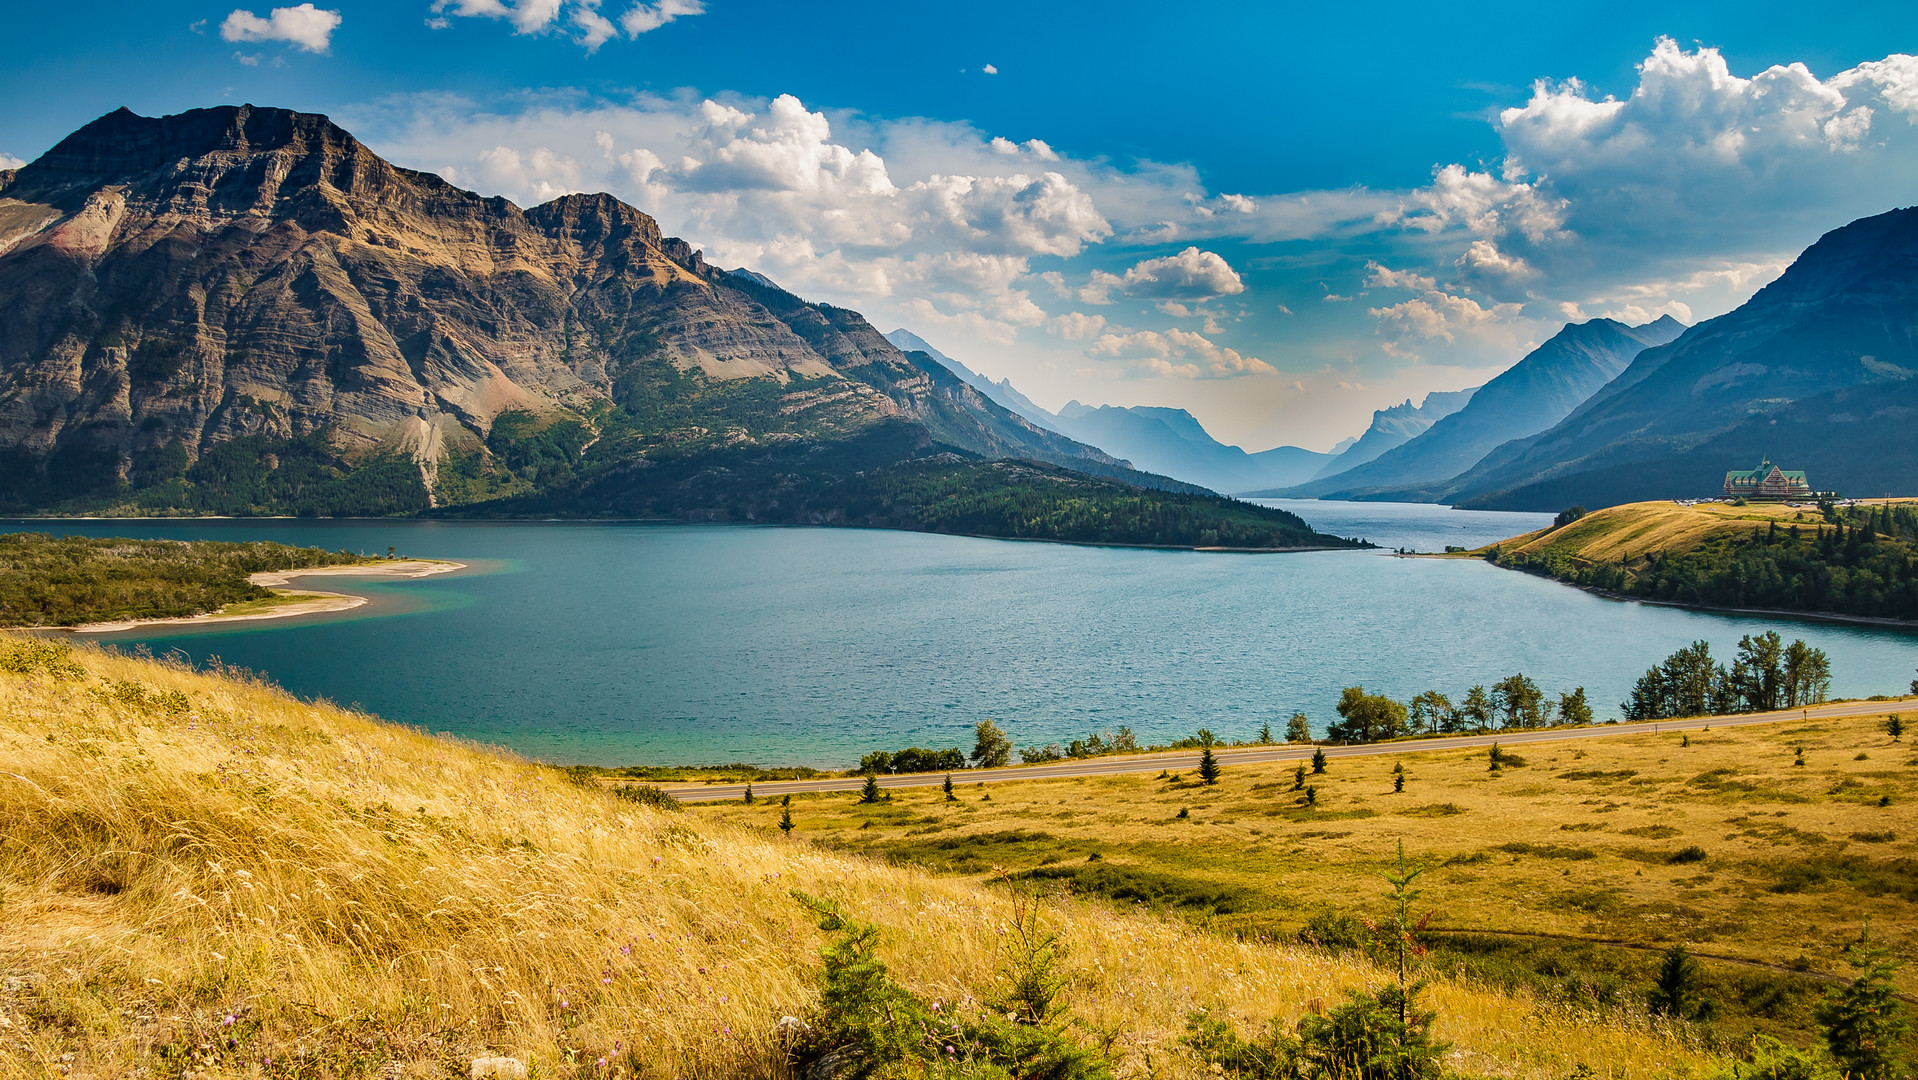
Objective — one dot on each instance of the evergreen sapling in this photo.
(1208, 762)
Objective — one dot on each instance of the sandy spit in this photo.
(312, 603)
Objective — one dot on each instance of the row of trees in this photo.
(1766, 674)
(1513, 702)
(992, 748)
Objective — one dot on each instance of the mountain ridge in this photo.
(1803, 370)
(1157, 439)
(1530, 396)
(175, 287)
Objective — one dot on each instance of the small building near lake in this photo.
(1766, 482)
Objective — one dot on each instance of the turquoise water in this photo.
(613, 644)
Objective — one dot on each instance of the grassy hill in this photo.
(1562, 876)
(200, 873)
(1857, 560)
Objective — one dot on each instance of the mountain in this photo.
(1173, 442)
(1817, 370)
(1002, 391)
(1158, 440)
(1525, 399)
(244, 310)
(1394, 427)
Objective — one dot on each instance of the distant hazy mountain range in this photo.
(1525, 399)
(1157, 440)
(1394, 427)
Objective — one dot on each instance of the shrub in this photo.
(1690, 854)
(33, 656)
(1273, 1056)
(1334, 931)
(1373, 1036)
(866, 1025)
(647, 795)
(1865, 1024)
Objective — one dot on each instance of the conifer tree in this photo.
(1894, 726)
(1298, 778)
(786, 815)
(870, 793)
(950, 797)
(1265, 733)
(1675, 994)
(1865, 1023)
(1318, 761)
(1208, 762)
(749, 793)
(1398, 778)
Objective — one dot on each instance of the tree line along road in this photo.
(1253, 755)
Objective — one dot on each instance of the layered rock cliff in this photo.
(190, 301)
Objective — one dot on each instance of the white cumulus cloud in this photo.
(1076, 326)
(592, 26)
(1191, 274)
(1178, 354)
(304, 27)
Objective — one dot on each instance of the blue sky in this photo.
(1280, 217)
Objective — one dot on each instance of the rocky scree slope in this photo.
(244, 309)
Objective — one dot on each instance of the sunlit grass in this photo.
(1716, 839)
(202, 874)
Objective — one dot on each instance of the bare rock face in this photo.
(249, 273)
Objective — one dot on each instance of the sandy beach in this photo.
(308, 602)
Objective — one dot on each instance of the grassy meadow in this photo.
(1562, 875)
(1634, 530)
(201, 875)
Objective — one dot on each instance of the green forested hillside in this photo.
(1024, 500)
(72, 580)
(1855, 560)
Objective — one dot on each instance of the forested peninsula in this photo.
(1852, 560)
(58, 581)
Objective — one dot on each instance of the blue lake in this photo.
(621, 644)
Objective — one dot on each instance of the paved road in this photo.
(1180, 760)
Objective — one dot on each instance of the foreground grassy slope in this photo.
(1714, 839)
(1859, 560)
(72, 580)
(202, 873)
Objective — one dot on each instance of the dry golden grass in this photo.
(1578, 841)
(205, 875)
(1636, 530)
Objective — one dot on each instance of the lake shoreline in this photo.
(1873, 621)
(1203, 549)
(298, 604)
